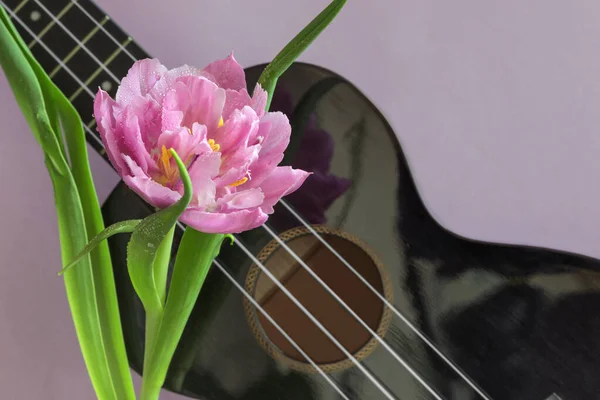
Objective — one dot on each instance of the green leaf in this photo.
(114, 229)
(196, 254)
(103, 276)
(285, 58)
(148, 254)
(161, 265)
(102, 269)
(146, 240)
(17, 65)
(90, 288)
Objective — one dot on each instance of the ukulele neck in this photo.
(80, 47)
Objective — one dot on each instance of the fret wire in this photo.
(50, 25)
(78, 47)
(373, 380)
(402, 362)
(398, 358)
(93, 121)
(108, 60)
(21, 5)
(243, 247)
(45, 47)
(46, 61)
(76, 2)
(76, 40)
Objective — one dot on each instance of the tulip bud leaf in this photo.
(116, 228)
(146, 240)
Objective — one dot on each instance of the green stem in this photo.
(149, 391)
(161, 264)
(154, 317)
(194, 258)
(285, 58)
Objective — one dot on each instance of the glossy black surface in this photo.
(521, 322)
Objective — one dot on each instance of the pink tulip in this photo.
(230, 145)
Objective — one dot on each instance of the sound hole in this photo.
(350, 333)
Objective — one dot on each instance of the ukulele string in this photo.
(81, 45)
(68, 70)
(374, 335)
(381, 297)
(281, 330)
(217, 264)
(314, 320)
(333, 294)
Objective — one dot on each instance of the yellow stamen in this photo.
(165, 159)
(214, 146)
(221, 123)
(190, 131)
(239, 182)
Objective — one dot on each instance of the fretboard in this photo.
(79, 46)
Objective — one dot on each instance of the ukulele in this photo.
(328, 300)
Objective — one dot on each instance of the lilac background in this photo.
(496, 105)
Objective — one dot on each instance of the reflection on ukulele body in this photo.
(455, 319)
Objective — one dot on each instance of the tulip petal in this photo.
(151, 191)
(140, 79)
(235, 100)
(206, 102)
(176, 101)
(103, 112)
(259, 100)
(148, 116)
(170, 78)
(234, 222)
(234, 134)
(245, 199)
(238, 99)
(202, 173)
(281, 182)
(227, 73)
(129, 139)
(228, 142)
(275, 129)
(186, 143)
(236, 165)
